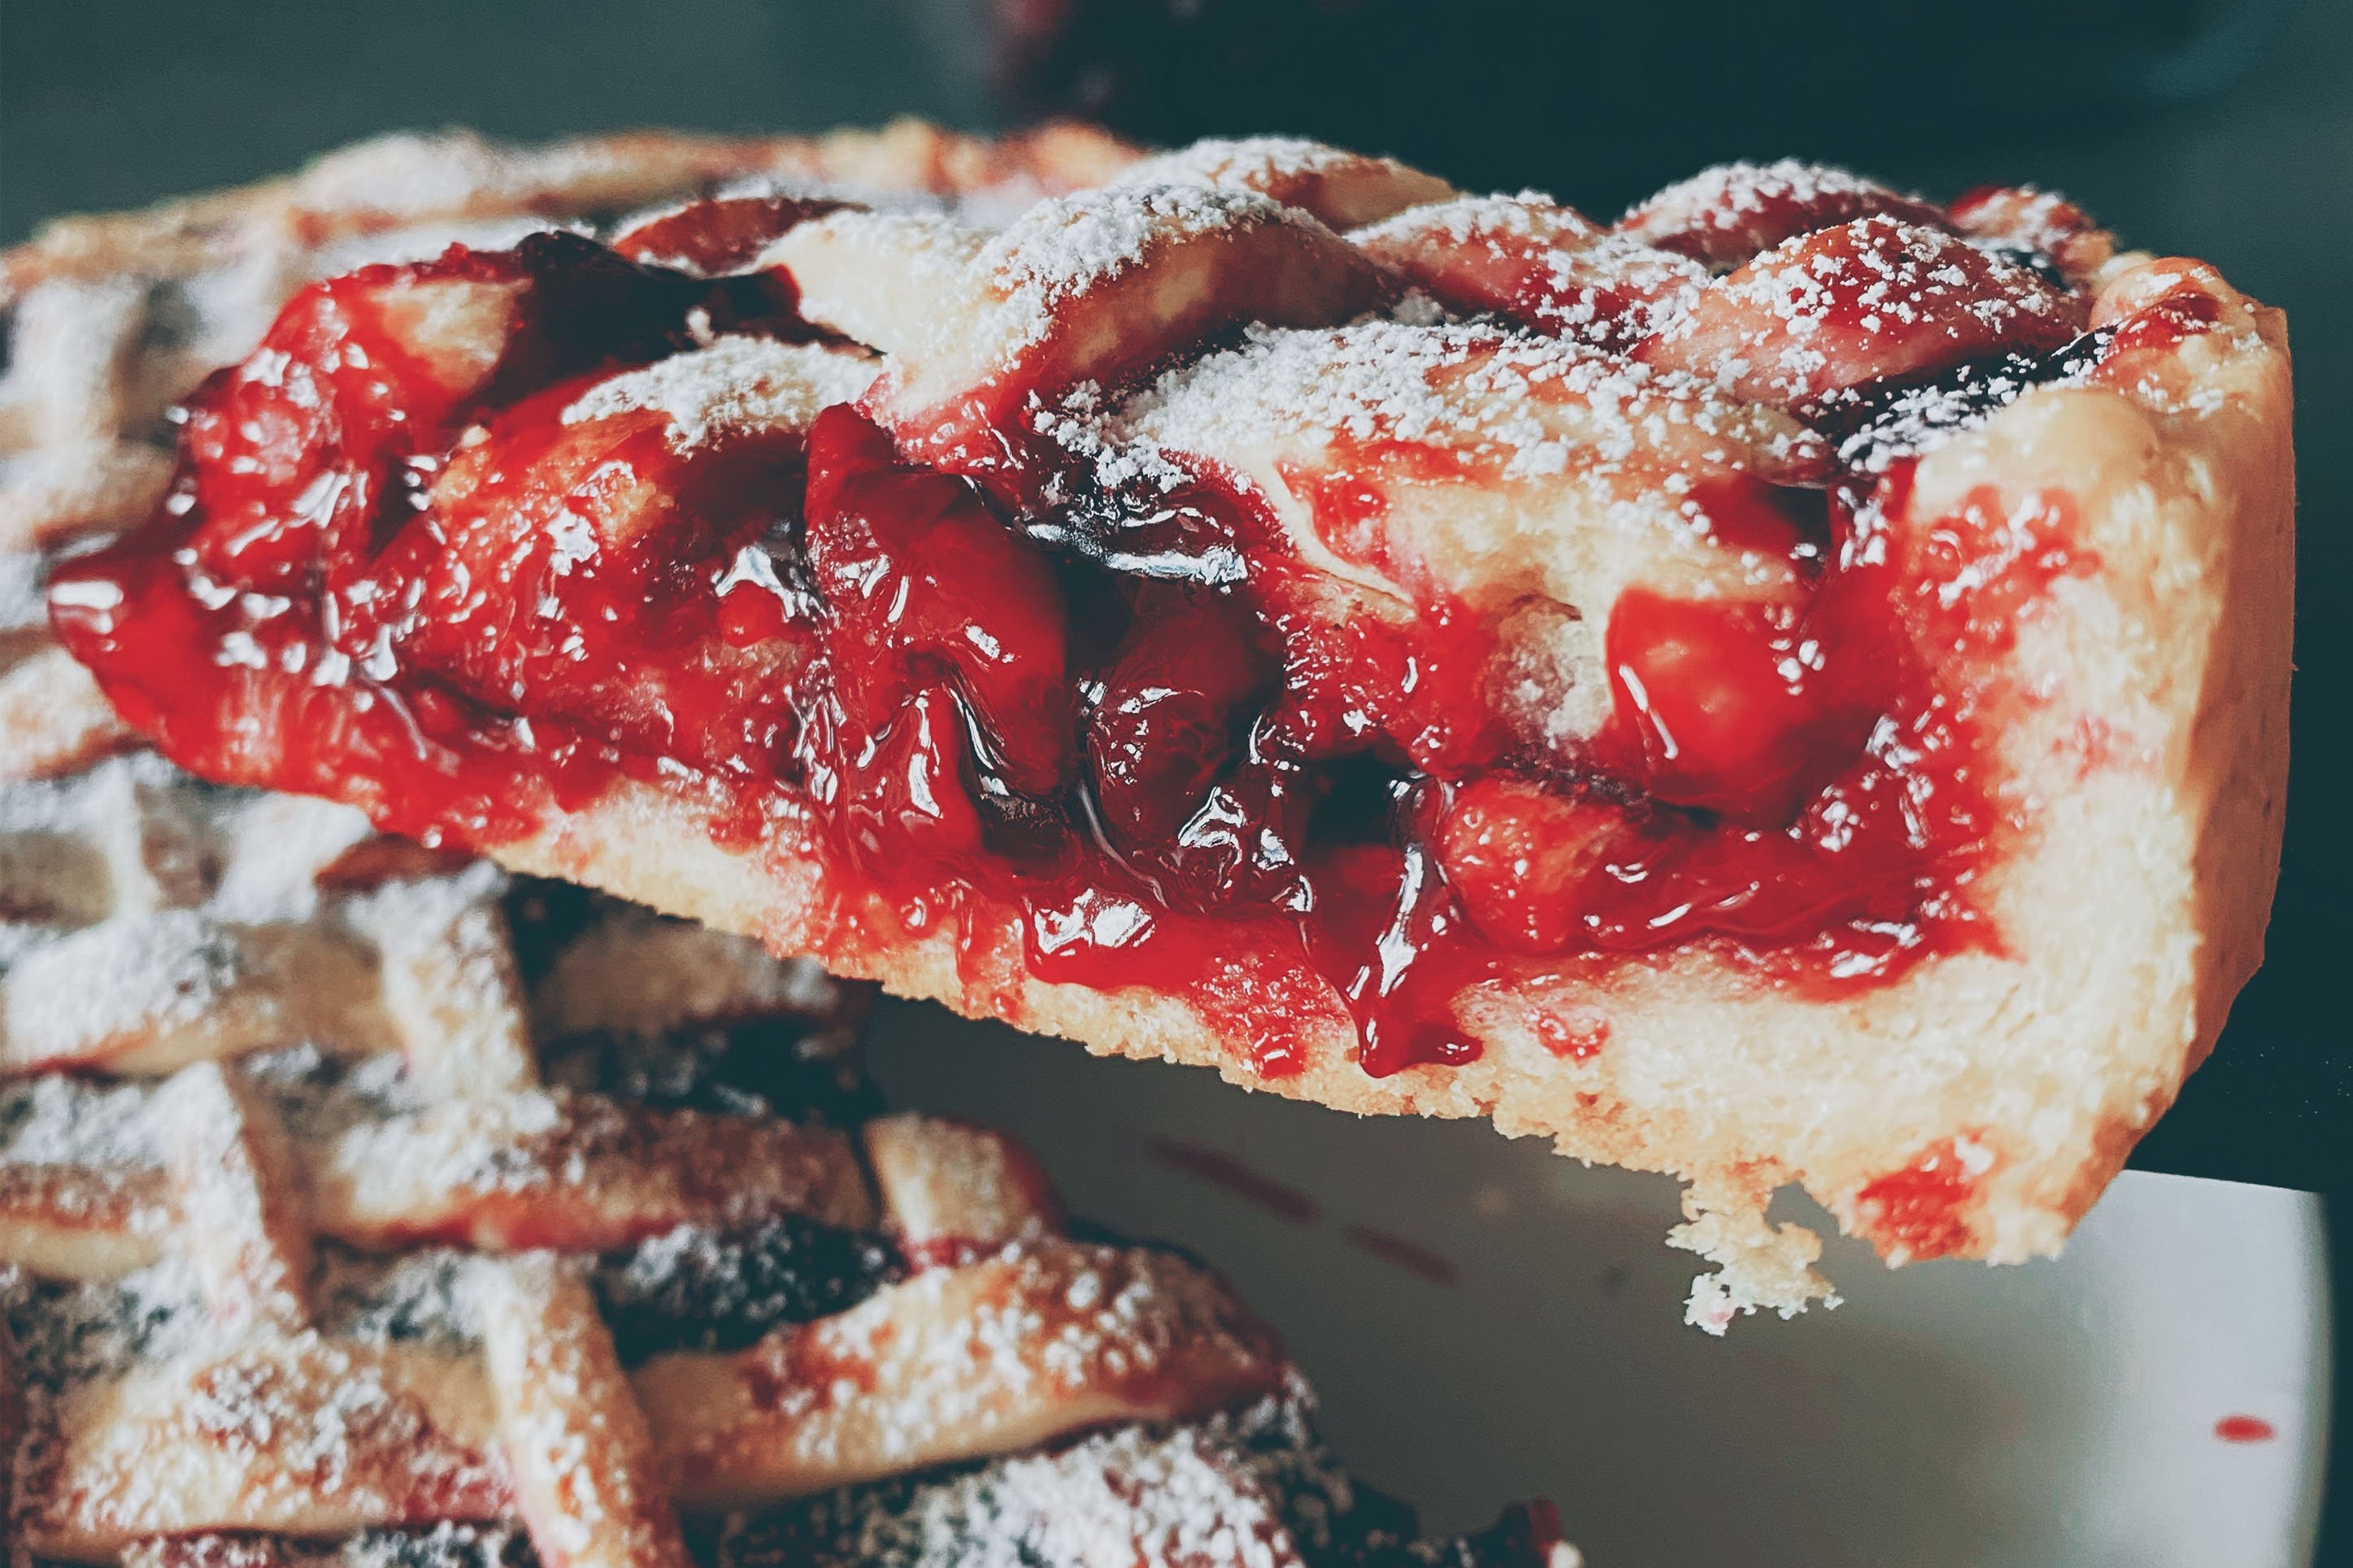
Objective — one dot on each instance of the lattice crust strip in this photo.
(356, 1207)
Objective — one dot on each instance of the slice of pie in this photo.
(1788, 687)
(360, 1205)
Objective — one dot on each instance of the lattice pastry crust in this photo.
(356, 1204)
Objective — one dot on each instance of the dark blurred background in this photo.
(2219, 128)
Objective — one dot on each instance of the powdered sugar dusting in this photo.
(1376, 379)
(1133, 1495)
(443, 1546)
(735, 386)
(464, 1147)
(1741, 189)
(1473, 390)
(1484, 221)
(1251, 1488)
(1737, 204)
(170, 969)
(1553, 268)
(320, 1096)
(56, 1121)
(70, 1331)
(291, 1425)
(1239, 164)
(1019, 1342)
(22, 606)
(1336, 186)
(1064, 246)
(276, 847)
(1876, 294)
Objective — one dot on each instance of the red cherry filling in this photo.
(1723, 706)
(272, 511)
(1922, 1208)
(1523, 860)
(404, 566)
(571, 569)
(923, 587)
(1188, 787)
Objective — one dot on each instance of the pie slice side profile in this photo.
(1787, 688)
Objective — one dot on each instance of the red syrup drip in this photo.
(2179, 313)
(1407, 1256)
(1306, 828)
(1921, 1208)
(1579, 1035)
(1215, 1168)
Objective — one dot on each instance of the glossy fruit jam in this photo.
(392, 571)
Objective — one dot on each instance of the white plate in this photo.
(1527, 1339)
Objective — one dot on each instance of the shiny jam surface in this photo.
(392, 571)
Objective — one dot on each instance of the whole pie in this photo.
(1785, 686)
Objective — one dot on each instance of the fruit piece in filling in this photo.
(1472, 630)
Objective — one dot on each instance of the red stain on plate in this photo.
(2245, 1429)
(1216, 1169)
(1399, 1252)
